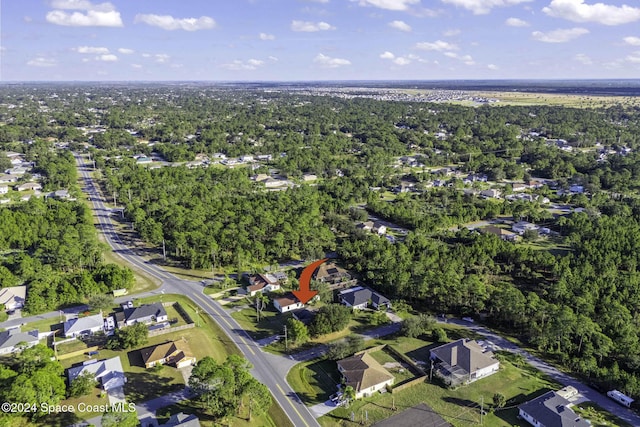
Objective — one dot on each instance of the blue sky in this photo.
(318, 39)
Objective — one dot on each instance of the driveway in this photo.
(116, 395)
(322, 408)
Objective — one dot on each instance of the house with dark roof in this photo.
(182, 420)
(551, 409)
(177, 353)
(87, 325)
(287, 303)
(108, 372)
(147, 313)
(14, 340)
(359, 298)
(463, 361)
(362, 372)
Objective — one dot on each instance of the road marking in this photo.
(294, 408)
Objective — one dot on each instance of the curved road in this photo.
(263, 369)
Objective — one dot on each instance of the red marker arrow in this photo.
(305, 293)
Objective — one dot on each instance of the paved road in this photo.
(263, 369)
(499, 343)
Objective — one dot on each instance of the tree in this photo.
(330, 318)
(119, 419)
(499, 400)
(379, 318)
(100, 302)
(82, 384)
(415, 326)
(130, 336)
(298, 331)
(259, 397)
(346, 347)
(349, 395)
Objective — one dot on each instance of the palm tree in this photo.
(349, 395)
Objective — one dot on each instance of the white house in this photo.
(521, 226)
(13, 297)
(83, 326)
(147, 313)
(13, 340)
(4, 189)
(262, 283)
(492, 193)
(108, 371)
(364, 374)
(463, 361)
(287, 303)
(550, 409)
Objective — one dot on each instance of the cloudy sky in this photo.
(318, 39)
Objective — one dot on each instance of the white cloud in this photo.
(633, 41)
(91, 49)
(402, 61)
(328, 62)
(106, 58)
(273, 58)
(493, 67)
(388, 4)
(438, 45)
(238, 65)
(578, 11)
(467, 59)
(82, 5)
(136, 66)
(168, 22)
(516, 22)
(635, 58)
(265, 36)
(559, 36)
(310, 27)
(161, 57)
(92, 18)
(452, 32)
(42, 62)
(146, 55)
(400, 25)
(482, 7)
(125, 51)
(583, 59)
(387, 55)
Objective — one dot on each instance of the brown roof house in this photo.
(364, 374)
(262, 283)
(463, 361)
(175, 353)
(287, 303)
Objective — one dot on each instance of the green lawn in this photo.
(314, 381)
(598, 416)
(271, 322)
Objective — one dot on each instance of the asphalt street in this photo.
(263, 368)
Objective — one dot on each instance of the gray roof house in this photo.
(463, 361)
(359, 297)
(182, 420)
(147, 313)
(551, 409)
(10, 339)
(108, 371)
(83, 326)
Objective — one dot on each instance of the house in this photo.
(331, 273)
(521, 226)
(143, 160)
(500, 232)
(519, 187)
(62, 194)
(14, 340)
(4, 189)
(28, 186)
(379, 228)
(359, 298)
(287, 303)
(182, 420)
(6, 178)
(551, 409)
(463, 361)
(176, 353)
(16, 171)
(108, 372)
(262, 283)
(147, 313)
(492, 193)
(309, 177)
(576, 189)
(87, 325)
(366, 226)
(364, 374)
(13, 297)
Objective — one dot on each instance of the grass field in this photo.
(578, 101)
(598, 416)
(314, 381)
(271, 322)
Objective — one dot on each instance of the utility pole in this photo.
(164, 251)
(286, 339)
(257, 309)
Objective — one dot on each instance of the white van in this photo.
(621, 398)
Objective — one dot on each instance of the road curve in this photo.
(263, 371)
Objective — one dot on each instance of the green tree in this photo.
(499, 400)
(82, 385)
(100, 302)
(298, 331)
(330, 318)
(259, 397)
(130, 336)
(119, 419)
